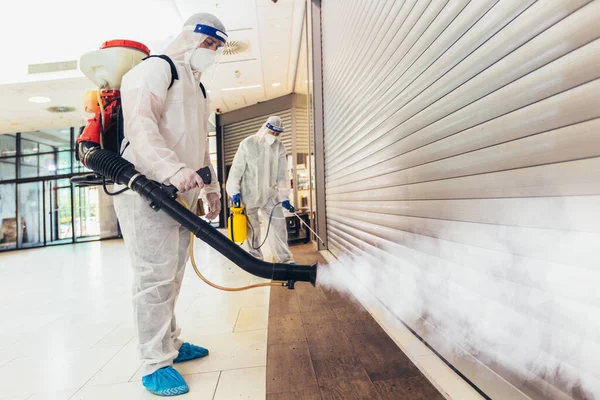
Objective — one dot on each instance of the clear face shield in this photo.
(271, 133)
(200, 46)
(274, 130)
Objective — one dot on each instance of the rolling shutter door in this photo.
(301, 132)
(234, 133)
(465, 135)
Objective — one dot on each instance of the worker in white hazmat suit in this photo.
(258, 178)
(166, 111)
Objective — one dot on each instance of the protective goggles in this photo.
(275, 128)
(209, 31)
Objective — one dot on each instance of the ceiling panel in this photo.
(271, 3)
(72, 33)
(236, 74)
(235, 101)
(249, 46)
(217, 103)
(271, 32)
(235, 14)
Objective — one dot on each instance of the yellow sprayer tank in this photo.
(237, 224)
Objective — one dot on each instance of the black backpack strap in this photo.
(125, 148)
(174, 74)
(203, 90)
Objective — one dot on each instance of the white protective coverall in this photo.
(167, 130)
(259, 174)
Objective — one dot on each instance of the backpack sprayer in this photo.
(98, 147)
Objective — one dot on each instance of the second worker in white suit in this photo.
(259, 179)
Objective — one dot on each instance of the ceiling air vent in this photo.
(52, 67)
(61, 109)
(234, 47)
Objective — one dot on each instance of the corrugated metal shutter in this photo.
(234, 133)
(467, 134)
(301, 128)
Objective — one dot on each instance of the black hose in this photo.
(268, 228)
(112, 193)
(110, 165)
(163, 198)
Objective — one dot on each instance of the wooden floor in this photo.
(324, 346)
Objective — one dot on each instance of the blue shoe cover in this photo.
(165, 382)
(189, 352)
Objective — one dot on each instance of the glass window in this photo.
(8, 145)
(29, 147)
(8, 168)
(79, 168)
(212, 124)
(63, 183)
(28, 167)
(48, 139)
(43, 213)
(39, 165)
(44, 148)
(64, 163)
(8, 217)
(212, 144)
(47, 164)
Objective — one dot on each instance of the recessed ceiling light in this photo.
(241, 88)
(39, 99)
(61, 109)
(276, 57)
(275, 84)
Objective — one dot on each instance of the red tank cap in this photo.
(126, 43)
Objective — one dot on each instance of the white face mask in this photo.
(270, 139)
(202, 59)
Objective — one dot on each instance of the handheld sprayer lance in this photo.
(308, 227)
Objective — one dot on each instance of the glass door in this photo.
(57, 201)
(8, 213)
(87, 210)
(30, 221)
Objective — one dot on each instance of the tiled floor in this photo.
(66, 330)
(66, 333)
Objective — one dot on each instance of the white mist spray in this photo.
(524, 298)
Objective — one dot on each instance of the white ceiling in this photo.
(271, 30)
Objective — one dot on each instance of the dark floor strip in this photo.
(323, 345)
